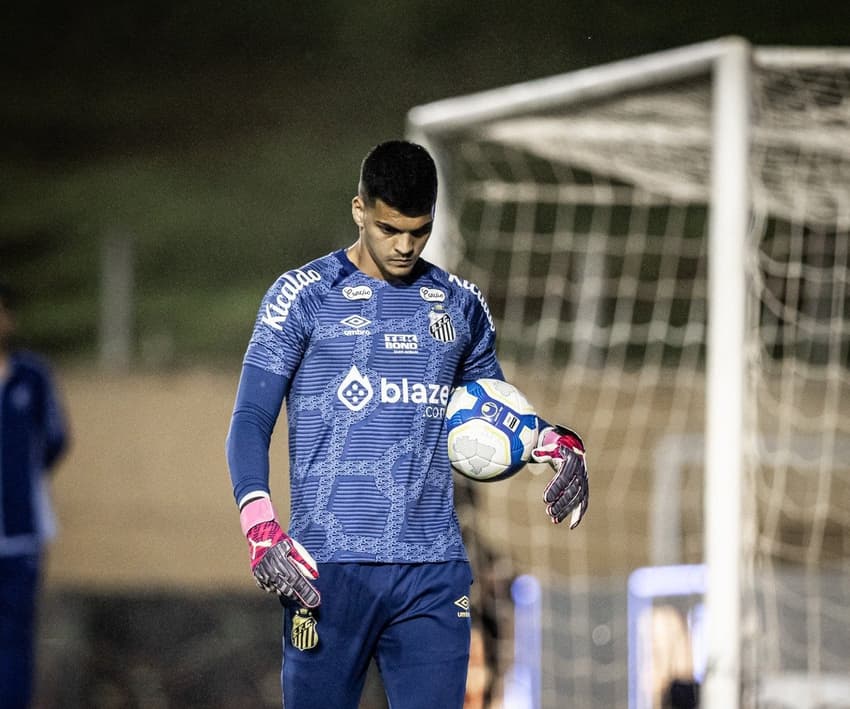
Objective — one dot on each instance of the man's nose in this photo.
(404, 243)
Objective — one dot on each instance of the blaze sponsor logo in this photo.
(401, 343)
(291, 284)
(356, 391)
(357, 292)
(408, 392)
(355, 325)
(476, 291)
(432, 295)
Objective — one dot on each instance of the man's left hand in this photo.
(568, 492)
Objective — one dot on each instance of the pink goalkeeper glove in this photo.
(568, 491)
(279, 563)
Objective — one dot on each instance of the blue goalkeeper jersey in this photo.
(368, 367)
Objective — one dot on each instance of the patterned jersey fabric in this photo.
(370, 366)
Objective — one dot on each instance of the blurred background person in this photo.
(669, 672)
(33, 436)
(478, 677)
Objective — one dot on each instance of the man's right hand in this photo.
(279, 563)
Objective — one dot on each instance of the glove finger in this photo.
(544, 454)
(277, 573)
(541, 456)
(559, 509)
(306, 593)
(555, 488)
(574, 499)
(574, 491)
(575, 509)
(568, 468)
(578, 513)
(302, 559)
(295, 587)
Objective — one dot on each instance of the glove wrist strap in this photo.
(256, 511)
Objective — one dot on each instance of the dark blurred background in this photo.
(224, 138)
(220, 142)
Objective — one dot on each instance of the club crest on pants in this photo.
(304, 633)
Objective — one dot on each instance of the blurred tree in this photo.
(221, 136)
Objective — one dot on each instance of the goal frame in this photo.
(728, 61)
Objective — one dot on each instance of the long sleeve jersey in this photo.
(366, 368)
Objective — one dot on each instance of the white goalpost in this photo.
(665, 244)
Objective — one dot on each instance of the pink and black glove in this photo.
(279, 563)
(568, 491)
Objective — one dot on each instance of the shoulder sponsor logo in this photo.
(357, 292)
(432, 295)
(401, 343)
(476, 291)
(291, 284)
(355, 325)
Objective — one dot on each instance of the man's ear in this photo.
(357, 211)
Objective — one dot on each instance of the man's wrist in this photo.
(255, 511)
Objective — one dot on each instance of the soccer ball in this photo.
(491, 430)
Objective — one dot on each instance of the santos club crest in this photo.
(304, 633)
(441, 327)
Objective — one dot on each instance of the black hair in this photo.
(402, 175)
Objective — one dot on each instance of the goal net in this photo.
(582, 206)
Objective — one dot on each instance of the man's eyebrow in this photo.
(386, 225)
(424, 229)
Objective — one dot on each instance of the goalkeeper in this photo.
(365, 344)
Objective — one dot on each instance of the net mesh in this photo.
(586, 227)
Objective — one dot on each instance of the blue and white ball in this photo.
(491, 430)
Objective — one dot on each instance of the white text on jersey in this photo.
(292, 283)
(472, 288)
(406, 391)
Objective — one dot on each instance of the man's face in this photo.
(392, 242)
